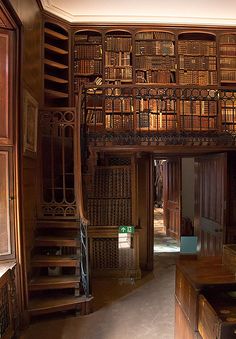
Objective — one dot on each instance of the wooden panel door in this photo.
(5, 87)
(6, 207)
(171, 196)
(210, 203)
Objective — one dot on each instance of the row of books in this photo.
(80, 38)
(117, 44)
(155, 62)
(119, 122)
(198, 123)
(201, 78)
(228, 75)
(197, 47)
(80, 81)
(118, 73)
(197, 107)
(228, 39)
(119, 105)
(227, 62)
(94, 117)
(228, 50)
(109, 212)
(88, 66)
(150, 121)
(155, 35)
(117, 58)
(154, 48)
(88, 51)
(154, 105)
(164, 77)
(228, 115)
(197, 63)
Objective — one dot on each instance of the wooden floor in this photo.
(123, 308)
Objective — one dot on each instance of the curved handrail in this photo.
(80, 199)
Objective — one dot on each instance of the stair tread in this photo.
(54, 257)
(53, 282)
(50, 304)
(57, 224)
(45, 240)
(54, 260)
(54, 279)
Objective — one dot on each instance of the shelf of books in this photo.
(197, 59)
(228, 111)
(155, 60)
(227, 48)
(198, 115)
(56, 65)
(118, 57)
(87, 58)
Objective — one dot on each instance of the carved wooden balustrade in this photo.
(133, 115)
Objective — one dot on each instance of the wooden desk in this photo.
(192, 277)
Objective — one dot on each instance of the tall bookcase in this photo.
(227, 50)
(155, 60)
(56, 65)
(87, 58)
(197, 59)
(118, 57)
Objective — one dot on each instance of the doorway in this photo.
(163, 241)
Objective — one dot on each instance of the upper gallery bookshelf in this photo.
(197, 59)
(56, 69)
(155, 60)
(87, 57)
(118, 57)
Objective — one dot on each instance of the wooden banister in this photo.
(79, 185)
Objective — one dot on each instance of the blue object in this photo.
(188, 244)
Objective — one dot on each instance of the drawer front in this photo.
(208, 322)
(228, 331)
(182, 325)
(187, 297)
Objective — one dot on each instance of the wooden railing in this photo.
(155, 110)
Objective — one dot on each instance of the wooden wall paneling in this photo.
(211, 187)
(6, 84)
(172, 196)
(6, 205)
(231, 200)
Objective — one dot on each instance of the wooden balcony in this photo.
(148, 115)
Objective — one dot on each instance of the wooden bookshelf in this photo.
(198, 115)
(227, 50)
(87, 58)
(197, 59)
(118, 57)
(56, 65)
(155, 60)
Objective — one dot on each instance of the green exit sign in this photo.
(126, 229)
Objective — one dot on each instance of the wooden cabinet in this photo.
(193, 277)
(217, 313)
(7, 301)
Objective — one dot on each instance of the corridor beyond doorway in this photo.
(162, 243)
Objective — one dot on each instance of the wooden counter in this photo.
(192, 277)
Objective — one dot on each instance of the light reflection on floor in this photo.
(162, 243)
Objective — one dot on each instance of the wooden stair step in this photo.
(57, 224)
(55, 241)
(51, 282)
(56, 303)
(54, 260)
